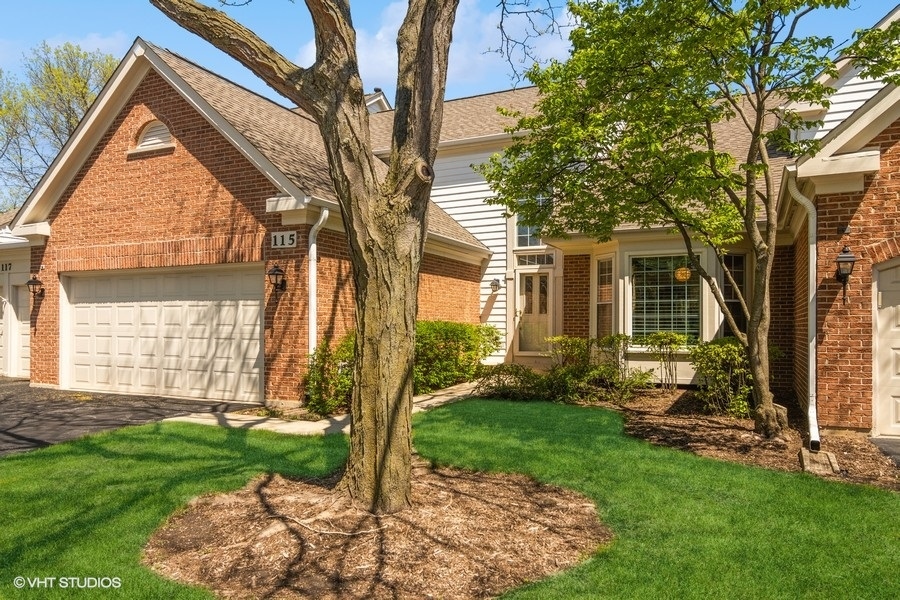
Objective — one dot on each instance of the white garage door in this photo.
(192, 334)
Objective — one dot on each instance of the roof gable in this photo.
(284, 145)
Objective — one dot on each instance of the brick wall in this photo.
(845, 388)
(577, 295)
(781, 332)
(201, 203)
(801, 316)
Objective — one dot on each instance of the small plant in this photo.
(510, 381)
(723, 375)
(565, 351)
(329, 380)
(664, 346)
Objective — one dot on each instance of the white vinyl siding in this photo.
(462, 193)
(851, 92)
(190, 334)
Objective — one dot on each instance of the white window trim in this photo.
(707, 326)
(616, 298)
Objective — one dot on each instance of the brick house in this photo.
(154, 230)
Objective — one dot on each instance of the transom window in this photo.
(659, 301)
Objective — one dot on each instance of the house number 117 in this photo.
(284, 239)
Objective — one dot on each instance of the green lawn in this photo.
(686, 527)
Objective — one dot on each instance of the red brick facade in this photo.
(781, 329)
(845, 359)
(577, 295)
(202, 203)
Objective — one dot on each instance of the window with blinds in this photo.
(659, 301)
(604, 297)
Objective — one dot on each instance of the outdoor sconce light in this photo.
(277, 279)
(846, 260)
(495, 286)
(36, 287)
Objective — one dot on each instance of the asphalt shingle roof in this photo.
(289, 139)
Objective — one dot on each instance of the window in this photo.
(525, 260)
(604, 297)
(526, 236)
(154, 136)
(736, 265)
(659, 302)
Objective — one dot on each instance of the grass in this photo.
(86, 508)
(686, 527)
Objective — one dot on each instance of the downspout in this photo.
(811, 316)
(313, 281)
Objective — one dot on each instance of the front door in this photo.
(533, 312)
(887, 353)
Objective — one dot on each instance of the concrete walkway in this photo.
(339, 424)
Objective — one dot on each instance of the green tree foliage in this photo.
(39, 113)
(627, 130)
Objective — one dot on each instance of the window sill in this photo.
(136, 152)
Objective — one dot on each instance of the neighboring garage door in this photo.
(192, 334)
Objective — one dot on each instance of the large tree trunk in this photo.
(378, 471)
(764, 414)
(383, 213)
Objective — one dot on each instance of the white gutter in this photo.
(313, 287)
(811, 318)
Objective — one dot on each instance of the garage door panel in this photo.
(184, 334)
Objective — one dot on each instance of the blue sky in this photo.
(112, 25)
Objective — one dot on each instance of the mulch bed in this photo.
(468, 535)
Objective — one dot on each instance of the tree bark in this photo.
(384, 217)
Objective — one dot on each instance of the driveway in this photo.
(36, 417)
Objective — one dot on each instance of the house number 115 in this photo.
(284, 239)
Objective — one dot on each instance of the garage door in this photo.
(191, 334)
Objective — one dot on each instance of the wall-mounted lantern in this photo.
(846, 260)
(495, 285)
(277, 278)
(36, 287)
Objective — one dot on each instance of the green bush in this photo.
(582, 370)
(723, 375)
(664, 345)
(510, 381)
(329, 380)
(448, 353)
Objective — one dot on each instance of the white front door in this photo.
(533, 312)
(887, 354)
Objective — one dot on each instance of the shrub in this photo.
(329, 380)
(567, 351)
(582, 370)
(664, 345)
(723, 375)
(510, 381)
(448, 353)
